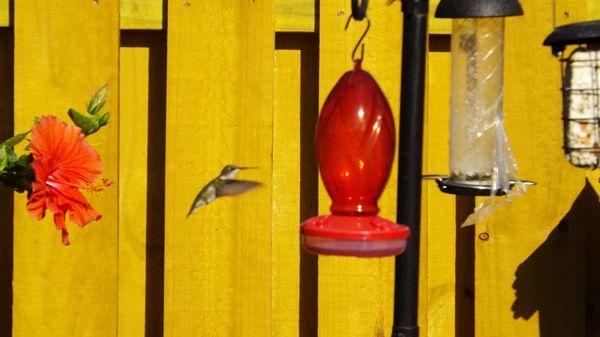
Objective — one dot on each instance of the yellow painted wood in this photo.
(438, 25)
(528, 275)
(133, 154)
(286, 195)
(593, 10)
(219, 110)
(4, 13)
(141, 14)
(356, 295)
(438, 208)
(568, 11)
(67, 291)
(295, 15)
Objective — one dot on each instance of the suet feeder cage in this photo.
(481, 160)
(580, 72)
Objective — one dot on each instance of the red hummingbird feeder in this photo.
(355, 150)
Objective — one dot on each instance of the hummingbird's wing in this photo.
(235, 187)
(206, 195)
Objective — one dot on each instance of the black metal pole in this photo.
(414, 45)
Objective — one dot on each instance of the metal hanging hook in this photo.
(359, 12)
(362, 37)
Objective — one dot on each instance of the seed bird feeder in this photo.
(355, 150)
(481, 160)
(580, 73)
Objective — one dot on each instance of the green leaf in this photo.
(24, 161)
(86, 124)
(11, 142)
(12, 156)
(3, 158)
(98, 100)
(104, 119)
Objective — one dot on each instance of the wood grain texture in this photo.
(295, 15)
(58, 290)
(356, 295)
(286, 195)
(141, 14)
(133, 154)
(593, 10)
(438, 208)
(438, 25)
(530, 273)
(220, 111)
(4, 13)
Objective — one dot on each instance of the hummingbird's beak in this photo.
(248, 167)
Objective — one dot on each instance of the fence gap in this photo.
(6, 194)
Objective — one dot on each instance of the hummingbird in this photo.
(223, 185)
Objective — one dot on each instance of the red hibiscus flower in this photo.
(64, 163)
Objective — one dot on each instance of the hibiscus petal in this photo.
(59, 221)
(62, 151)
(70, 198)
(36, 205)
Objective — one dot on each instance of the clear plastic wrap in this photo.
(480, 153)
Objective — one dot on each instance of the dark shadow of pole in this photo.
(464, 320)
(156, 42)
(308, 44)
(6, 194)
(560, 279)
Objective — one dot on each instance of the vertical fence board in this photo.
(65, 50)
(530, 273)
(4, 13)
(593, 10)
(133, 145)
(295, 15)
(356, 295)
(141, 14)
(219, 111)
(439, 208)
(286, 194)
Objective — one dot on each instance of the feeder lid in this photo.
(478, 8)
(576, 33)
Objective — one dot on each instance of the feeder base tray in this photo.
(362, 236)
(450, 186)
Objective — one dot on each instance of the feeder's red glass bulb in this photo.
(355, 144)
(355, 149)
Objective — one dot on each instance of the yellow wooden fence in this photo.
(196, 85)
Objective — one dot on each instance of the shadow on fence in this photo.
(6, 206)
(561, 279)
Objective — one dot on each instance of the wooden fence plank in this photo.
(593, 10)
(356, 295)
(530, 273)
(67, 291)
(439, 208)
(141, 14)
(219, 111)
(295, 15)
(286, 195)
(4, 13)
(133, 154)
